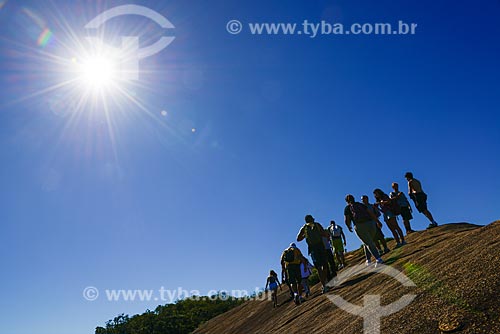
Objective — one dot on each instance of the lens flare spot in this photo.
(44, 37)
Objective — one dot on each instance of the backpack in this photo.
(289, 255)
(313, 234)
(402, 200)
(359, 212)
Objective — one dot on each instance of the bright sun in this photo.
(98, 72)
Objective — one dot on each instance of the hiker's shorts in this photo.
(293, 272)
(388, 215)
(318, 255)
(406, 213)
(338, 245)
(420, 201)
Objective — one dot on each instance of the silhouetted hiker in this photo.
(390, 209)
(419, 197)
(364, 223)
(273, 283)
(380, 242)
(313, 232)
(290, 261)
(331, 267)
(404, 206)
(336, 238)
(305, 272)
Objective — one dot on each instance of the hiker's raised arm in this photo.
(347, 220)
(301, 235)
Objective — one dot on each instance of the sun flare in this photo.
(98, 72)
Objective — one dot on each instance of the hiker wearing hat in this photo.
(419, 197)
(290, 262)
(336, 238)
(313, 232)
(364, 224)
(404, 206)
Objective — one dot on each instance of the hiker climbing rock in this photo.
(364, 224)
(390, 209)
(418, 195)
(273, 283)
(331, 267)
(306, 271)
(404, 206)
(290, 261)
(380, 242)
(337, 239)
(313, 232)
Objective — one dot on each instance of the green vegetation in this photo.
(180, 318)
(313, 279)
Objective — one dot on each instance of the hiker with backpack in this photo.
(404, 206)
(364, 224)
(290, 261)
(419, 197)
(336, 238)
(313, 232)
(273, 283)
(380, 242)
(306, 271)
(390, 208)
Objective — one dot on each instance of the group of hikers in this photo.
(324, 245)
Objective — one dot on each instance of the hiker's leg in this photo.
(406, 223)
(428, 214)
(342, 258)
(368, 255)
(339, 251)
(332, 265)
(400, 232)
(294, 276)
(393, 226)
(382, 241)
(322, 271)
(304, 284)
(366, 232)
(337, 256)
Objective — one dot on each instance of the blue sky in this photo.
(284, 126)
